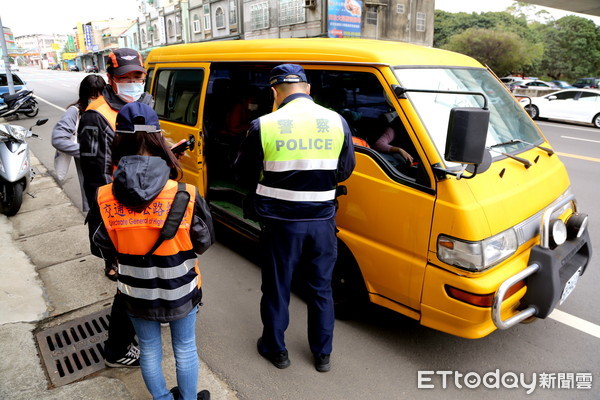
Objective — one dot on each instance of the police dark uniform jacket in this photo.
(128, 217)
(303, 151)
(95, 135)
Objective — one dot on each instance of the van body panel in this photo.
(185, 115)
(391, 218)
(386, 226)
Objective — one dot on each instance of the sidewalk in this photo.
(49, 277)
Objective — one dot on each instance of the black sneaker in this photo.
(131, 359)
(279, 359)
(202, 395)
(322, 363)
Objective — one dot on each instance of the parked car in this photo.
(74, 68)
(54, 66)
(562, 84)
(587, 83)
(18, 82)
(508, 80)
(530, 84)
(577, 105)
(91, 68)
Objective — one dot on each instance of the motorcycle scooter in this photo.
(22, 102)
(15, 166)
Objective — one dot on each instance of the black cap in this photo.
(123, 61)
(137, 117)
(287, 73)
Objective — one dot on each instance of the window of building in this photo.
(178, 95)
(155, 32)
(400, 8)
(196, 23)
(135, 38)
(420, 26)
(232, 12)
(291, 12)
(220, 18)
(207, 17)
(259, 15)
(178, 25)
(372, 15)
(143, 35)
(170, 31)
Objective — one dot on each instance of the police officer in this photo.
(296, 156)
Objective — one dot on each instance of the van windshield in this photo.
(508, 120)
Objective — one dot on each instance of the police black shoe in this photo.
(278, 358)
(202, 395)
(322, 363)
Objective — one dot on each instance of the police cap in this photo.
(287, 73)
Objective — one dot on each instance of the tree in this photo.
(572, 48)
(501, 50)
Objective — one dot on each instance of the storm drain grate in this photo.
(75, 349)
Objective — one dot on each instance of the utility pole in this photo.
(11, 85)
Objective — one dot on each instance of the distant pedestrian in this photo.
(159, 281)
(295, 157)
(64, 134)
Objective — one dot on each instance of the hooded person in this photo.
(159, 281)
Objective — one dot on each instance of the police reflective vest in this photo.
(301, 143)
(103, 108)
(166, 285)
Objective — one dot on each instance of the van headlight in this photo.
(477, 256)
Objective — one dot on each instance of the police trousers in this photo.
(288, 245)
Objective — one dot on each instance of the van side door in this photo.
(178, 92)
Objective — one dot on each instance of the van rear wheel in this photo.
(349, 291)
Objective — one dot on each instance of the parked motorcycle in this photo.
(22, 102)
(15, 166)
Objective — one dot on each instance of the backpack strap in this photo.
(174, 217)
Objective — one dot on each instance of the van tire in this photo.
(349, 291)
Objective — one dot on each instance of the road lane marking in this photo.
(582, 139)
(576, 128)
(52, 104)
(579, 157)
(575, 322)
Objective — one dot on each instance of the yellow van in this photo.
(480, 231)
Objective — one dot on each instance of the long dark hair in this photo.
(129, 144)
(90, 86)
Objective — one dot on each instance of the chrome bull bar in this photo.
(530, 311)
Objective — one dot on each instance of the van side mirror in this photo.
(467, 132)
(465, 141)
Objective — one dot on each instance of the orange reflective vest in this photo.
(103, 108)
(166, 285)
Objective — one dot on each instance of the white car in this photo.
(577, 105)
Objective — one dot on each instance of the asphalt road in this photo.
(379, 354)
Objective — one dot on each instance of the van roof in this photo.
(312, 50)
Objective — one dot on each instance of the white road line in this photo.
(558, 125)
(576, 322)
(53, 105)
(584, 140)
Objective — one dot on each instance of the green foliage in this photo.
(502, 51)
(523, 40)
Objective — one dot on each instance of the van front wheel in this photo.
(349, 291)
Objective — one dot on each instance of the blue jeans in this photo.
(183, 336)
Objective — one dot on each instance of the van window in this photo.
(356, 95)
(178, 94)
(510, 135)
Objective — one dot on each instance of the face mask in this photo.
(252, 107)
(129, 92)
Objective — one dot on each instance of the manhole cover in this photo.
(74, 349)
